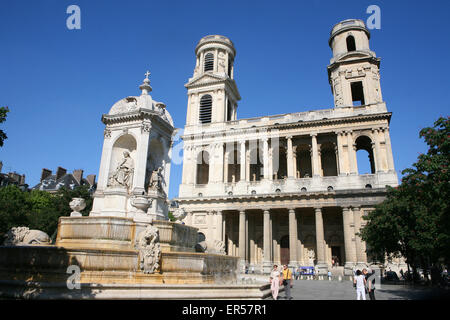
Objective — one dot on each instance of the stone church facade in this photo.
(285, 189)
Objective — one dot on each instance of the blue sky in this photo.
(58, 82)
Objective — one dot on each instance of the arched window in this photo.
(351, 45)
(364, 151)
(205, 111)
(209, 62)
(280, 166)
(328, 160)
(202, 168)
(304, 168)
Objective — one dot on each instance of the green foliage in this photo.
(38, 209)
(414, 219)
(3, 113)
(171, 217)
(13, 208)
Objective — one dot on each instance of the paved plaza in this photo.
(335, 290)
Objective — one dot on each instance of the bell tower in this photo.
(212, 91)
(353, 72)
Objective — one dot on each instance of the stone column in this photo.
(340, 154)
(225, 166)
(293, 261)
(300, 252)
(294, 158)
(242, 160)
(315, 156)
(290, 158)
(376, 151)
(219, 225)
(216, 57)
(217, 163)
(359, 246)
(352, 154)
(321, 265)
(247, 165)
(266, 157)
(350, 250)
(141, 161)
(390, 159)
(242, 236)
(211, 151)
(267, 260)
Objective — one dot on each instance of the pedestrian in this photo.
(360, 283)
(253, 269)
(275, 281)
(370, 283)
(287, 279)
(329, 275)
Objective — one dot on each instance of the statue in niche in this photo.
(123, 175)
(155, 182)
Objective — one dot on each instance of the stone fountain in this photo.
(126, 248)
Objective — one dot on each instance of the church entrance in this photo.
(284, 250)
(336, 255)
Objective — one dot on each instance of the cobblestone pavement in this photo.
(335, 290)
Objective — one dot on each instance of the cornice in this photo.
(141, 114)
(323, 195)
(291, 125)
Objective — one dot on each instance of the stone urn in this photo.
(77, 204)
(141, 204)
(179, 214)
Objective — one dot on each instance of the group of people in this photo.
(364, 284)
(278, 279)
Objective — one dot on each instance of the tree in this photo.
(3, 112)
(38, 209)
(13, 208)
(413, 221)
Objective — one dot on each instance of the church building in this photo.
(286, 189)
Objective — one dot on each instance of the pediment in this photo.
(354, 55)
(205, 79)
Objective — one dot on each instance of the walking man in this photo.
(287, 278)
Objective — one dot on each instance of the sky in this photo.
(58, 82)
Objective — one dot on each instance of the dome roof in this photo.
(143, 102)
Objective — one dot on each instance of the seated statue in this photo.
(123, 175)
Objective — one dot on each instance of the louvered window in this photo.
(209, 62)
(205, 109)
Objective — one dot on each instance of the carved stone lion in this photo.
(149, 248)
(24, 236)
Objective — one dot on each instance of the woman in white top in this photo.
(275, 282)
(360, 282)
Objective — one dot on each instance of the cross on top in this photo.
(147, 74)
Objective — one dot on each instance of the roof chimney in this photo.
(45, 174)
(60, 172)
(78, 175)
(91, 179)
